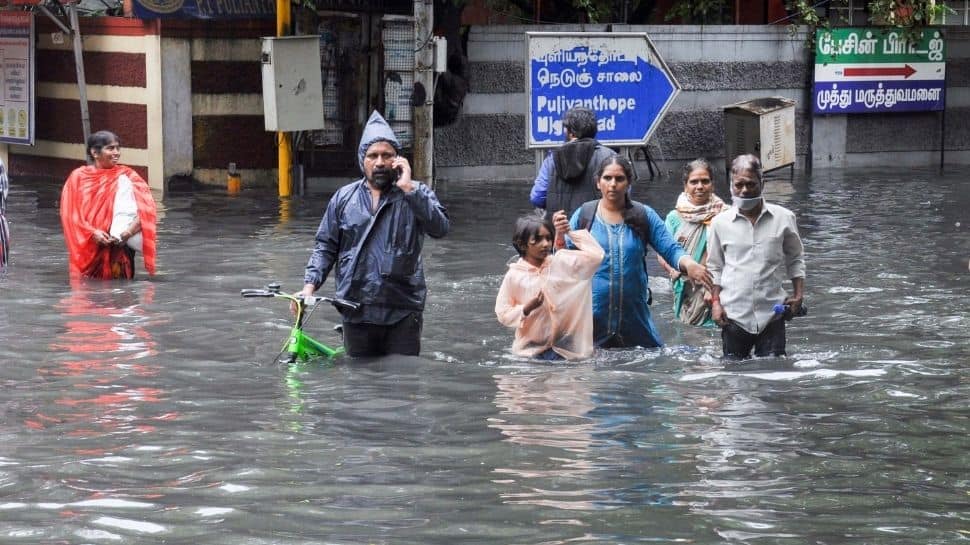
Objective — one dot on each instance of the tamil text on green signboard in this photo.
(862, 70)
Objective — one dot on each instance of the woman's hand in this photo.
(718, 314)
(103, 239)
(561, 223)
(133, 229)
(672, 273)
(535, 303)
(698, 273)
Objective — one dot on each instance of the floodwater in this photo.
(151, 412)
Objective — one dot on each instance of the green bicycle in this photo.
(299, 345)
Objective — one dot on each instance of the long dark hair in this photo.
(527, 229)
(99, 140)
(637, 222)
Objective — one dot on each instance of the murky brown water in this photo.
(148, 411)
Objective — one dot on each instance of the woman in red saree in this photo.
(107, 211)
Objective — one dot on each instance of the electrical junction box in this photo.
(292, 83)
(440, 54)
(764, 127)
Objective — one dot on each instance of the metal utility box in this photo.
(764, 127)
(292, 86)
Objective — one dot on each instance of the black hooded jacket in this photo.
(573, 180)
(376, 255)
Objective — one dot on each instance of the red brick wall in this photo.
(239, 138)
(242, 139)
(125, 69)
(61, 121)
(217, 139)
(58, 120)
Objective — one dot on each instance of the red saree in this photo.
(87, 205)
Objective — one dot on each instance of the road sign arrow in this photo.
(653, 94)
(905, 71)
(620, 76)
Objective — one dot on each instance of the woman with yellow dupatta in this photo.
(107, 213)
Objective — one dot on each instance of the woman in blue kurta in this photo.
(621, 316)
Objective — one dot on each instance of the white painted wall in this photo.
(176, 63)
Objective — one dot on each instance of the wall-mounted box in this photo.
(292, 83)
(764, 127)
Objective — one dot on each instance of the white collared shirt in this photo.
(750, 262)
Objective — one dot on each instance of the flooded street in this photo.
(151, 412)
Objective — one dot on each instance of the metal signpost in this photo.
(17, 77)
(619, 76)
(863, 70)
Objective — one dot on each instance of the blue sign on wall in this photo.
(619, 76)
(204, 9)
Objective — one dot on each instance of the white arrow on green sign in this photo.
(862, 70)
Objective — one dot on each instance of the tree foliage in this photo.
(703, 12)
(908, 16)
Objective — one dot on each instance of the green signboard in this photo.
(861, 70)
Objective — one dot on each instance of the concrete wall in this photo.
(177, 106)
(184, 97)
(123, 86)
(911, 138)
(223, 115)
(716, 66)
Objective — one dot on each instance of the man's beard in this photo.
(382, 179)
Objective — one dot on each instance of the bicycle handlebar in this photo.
(250, 292)
(309, 301)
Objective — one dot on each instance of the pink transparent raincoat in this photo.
(564, 321)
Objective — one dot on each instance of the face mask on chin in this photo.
(746, 204)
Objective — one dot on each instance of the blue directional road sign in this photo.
(620, 76)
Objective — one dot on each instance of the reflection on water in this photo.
(106, 379)
(148, 411)
(547, 413)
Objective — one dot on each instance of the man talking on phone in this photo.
(372, 234)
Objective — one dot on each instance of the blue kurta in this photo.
(621, 316)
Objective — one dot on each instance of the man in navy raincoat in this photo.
(372, 234)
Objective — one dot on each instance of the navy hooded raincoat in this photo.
(377, 254)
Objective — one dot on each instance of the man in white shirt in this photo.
(752, 248)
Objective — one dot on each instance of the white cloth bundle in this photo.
(125, 212)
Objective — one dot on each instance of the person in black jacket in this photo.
(567, 177)
(373, 232)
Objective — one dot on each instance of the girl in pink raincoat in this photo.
(547, 297)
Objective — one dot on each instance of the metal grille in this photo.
(960, 15)
(333, 133)
(340, 60)
(398, 75)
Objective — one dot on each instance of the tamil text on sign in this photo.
(619, 76)
(861, 70)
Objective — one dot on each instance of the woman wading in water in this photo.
(107, 213)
